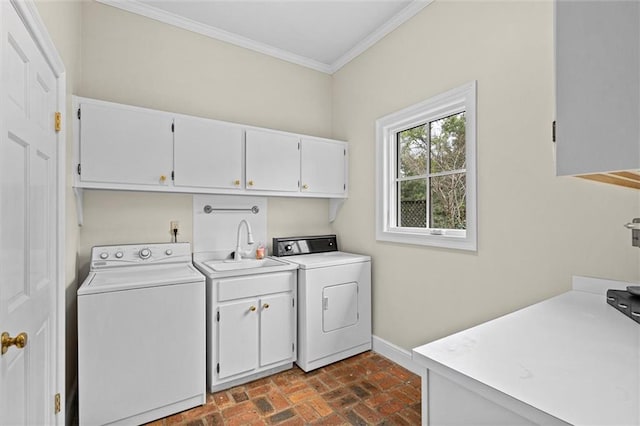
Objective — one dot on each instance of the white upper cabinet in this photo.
(598, 87)
(272, 161)
(123, 144)
(123, 147)
(323, 166)
(207, 153)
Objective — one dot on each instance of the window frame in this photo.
(462, 98)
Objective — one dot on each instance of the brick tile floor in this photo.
(366, 389)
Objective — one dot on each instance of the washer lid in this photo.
(323, 260)
(120, 279)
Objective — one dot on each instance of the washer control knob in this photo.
(104, 255)
(288, 247)
(169, 252)
(119, 255)
(145, 253)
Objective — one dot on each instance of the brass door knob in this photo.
(266, 306)
(252, 308)
(305, 186)
(163, 178)
(20, 341)
(236, 182)
(250, 183)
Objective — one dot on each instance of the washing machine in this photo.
(334, 299)
(141, 334)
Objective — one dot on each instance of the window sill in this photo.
(463, 241)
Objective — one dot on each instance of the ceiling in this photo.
(320, 34)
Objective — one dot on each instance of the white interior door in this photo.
(28, 226)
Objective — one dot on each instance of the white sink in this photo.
(234, 265)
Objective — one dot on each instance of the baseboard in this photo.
(71, 405)
(396, 354)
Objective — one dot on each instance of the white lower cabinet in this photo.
(253, 330)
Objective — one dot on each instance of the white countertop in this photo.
(573, 357)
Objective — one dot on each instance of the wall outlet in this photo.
(174, 225)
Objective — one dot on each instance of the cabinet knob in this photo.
(236, 182)
(250, 183)
(252, 308)
(163, 178)
(305, 186)
(265, 306)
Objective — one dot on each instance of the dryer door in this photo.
(339, 306)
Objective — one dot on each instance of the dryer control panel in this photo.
(293, 246)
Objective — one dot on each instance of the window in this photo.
(426, 175)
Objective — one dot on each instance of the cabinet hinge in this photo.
(173, 175)
(173, 128)
(344, 186)
(57, 125)
(78, 113)
(298, 146)
(345, 152)
(293, 347)
(218, 316)
(293, 303)
(56, 404)
(218, 368)
(553, 131)
(79, 168)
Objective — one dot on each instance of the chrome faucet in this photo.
(239, 253)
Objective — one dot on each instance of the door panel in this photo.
(272, 161)
(207, 153)
(339, 306)
(125, 145)
(322, 166)
(238, 337)
(276, 328)
(28, 224)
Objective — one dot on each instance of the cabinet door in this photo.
(272, 161)
(125, 145)
(238, 337)
(277, 319)
(207, 153)
(323, 166)
(598, 86)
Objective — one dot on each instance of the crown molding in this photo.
(400, 18)
(157, 14)
(151, 12)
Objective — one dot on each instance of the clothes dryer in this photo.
(334, 299)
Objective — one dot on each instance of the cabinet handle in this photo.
(252, 308)
(305, 186)
(250, 183)
(635, 314)
(623, 306)
(266, 306)
(236, 182)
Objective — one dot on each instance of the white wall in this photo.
(130, 59)
(535, 230)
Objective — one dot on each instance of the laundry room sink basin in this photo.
(234, 265)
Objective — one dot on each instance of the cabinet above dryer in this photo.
(123, 147)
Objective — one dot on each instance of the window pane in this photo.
(448, 207)
(413, 203)
(413, 151)
(448, 143)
